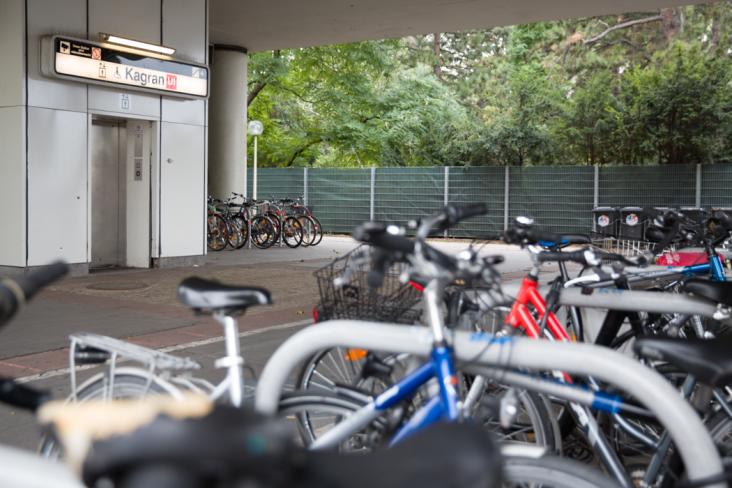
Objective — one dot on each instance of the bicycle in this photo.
(371, 336)
(217, 228)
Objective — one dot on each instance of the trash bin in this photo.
(633, 222)
(606, 221)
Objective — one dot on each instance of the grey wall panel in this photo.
(191, 112)
(103, 99)
(184, 28)
(12, 39)
(47, 17)
(136, 19)
(57, 186)
(182, 197)
(12, 186)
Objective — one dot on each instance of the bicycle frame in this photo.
(480, 350)
(520, 316)
(441, 407)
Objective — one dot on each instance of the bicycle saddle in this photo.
(716, 291)
(708, 360)
(231, 446)
(566, 240)
(210, 296)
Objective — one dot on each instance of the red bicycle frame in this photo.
(520, 315)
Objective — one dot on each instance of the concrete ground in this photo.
(141, 306)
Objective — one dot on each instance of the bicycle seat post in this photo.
(233, 361)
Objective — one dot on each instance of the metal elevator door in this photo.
(108, 193)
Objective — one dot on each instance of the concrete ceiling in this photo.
(261, 25)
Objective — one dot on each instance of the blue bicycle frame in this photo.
(713, 268)
(441, 407)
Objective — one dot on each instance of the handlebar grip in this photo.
(14, 292)
(573, 256)
(457, 214)
(375, 233)
(21, 396)
(32, 282)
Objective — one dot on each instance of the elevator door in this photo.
(108, 208)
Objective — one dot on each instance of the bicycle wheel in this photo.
(261, 232)
(125, 386)
(217, 235)
(316, 413)
(292, 232)
(318, 231)
(240, 232)
(275, 225)
(309, 232)
(357, 368)
(533, 424)
(551, 471)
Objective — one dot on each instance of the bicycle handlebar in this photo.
(589, 257)
(526, 235)
(15, 292)
(21, 396)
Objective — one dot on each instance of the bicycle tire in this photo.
(217, 232)
(272, 216)
(292, 234)
(303, 406)
(309, 232)
(534, 423)
(240, 232)
(552, 471)
(261, 231)
(319, 231)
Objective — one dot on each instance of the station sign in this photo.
(91, 62)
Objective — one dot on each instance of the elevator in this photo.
(120, 155)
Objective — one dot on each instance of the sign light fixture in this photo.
(145, 46)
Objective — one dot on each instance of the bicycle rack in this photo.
(88, 348)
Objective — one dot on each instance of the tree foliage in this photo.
(647, 87)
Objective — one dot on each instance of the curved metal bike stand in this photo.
(683, 424)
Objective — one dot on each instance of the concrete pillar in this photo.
(227, 118)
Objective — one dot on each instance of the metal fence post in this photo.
(506, 183)
(446, 190)
(596, 195)
(698, 199)
(305, 186)
(372, 193)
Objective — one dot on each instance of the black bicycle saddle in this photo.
(708, 360)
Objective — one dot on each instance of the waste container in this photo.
(606, 221)
(633, 221)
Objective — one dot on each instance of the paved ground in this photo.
(141, 306)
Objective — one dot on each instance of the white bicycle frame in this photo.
(163, 370)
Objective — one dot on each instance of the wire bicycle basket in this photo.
(345, 292)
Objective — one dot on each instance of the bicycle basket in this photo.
(393, 301)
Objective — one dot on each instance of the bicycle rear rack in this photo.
(87, 349)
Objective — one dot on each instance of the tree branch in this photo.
(255, 91)
(301, 150)
(622, 25)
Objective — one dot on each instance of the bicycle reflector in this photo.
(355, 354)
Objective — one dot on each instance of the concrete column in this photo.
(227, 119)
